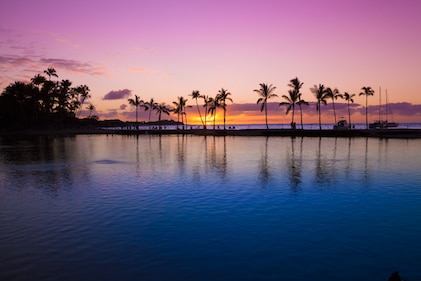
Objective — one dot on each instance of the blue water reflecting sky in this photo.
(214, 208)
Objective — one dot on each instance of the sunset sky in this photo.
(163, 49)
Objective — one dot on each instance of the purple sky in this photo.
(165, 49)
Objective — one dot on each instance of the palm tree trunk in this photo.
(349, 115)
(224, 117)
(266, 114)
(366, 111)
(334, 111)
(200, 115)
(137, 123)
(320, 117)
(301, 116)
(293, 113)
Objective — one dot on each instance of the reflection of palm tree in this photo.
(264, 172)
(136, 102)
(320, 93)
(223, 97)
(333, 94)
(349, 98)
(265, 92)
(367, 91)
(295, 165)
(195, 95)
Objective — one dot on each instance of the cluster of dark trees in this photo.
(42, 103)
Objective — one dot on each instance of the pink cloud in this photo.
(118, 95)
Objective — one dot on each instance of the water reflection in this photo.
(264, 169)
(169, 206)
(272, 161)
(294, 165)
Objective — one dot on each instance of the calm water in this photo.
(214, 208)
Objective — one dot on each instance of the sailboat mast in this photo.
(380, 102)
(387, 103)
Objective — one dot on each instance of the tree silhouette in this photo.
(367, 91)
(349, 98)
(162, 108)
(265, 92)
(333, 94)
(40, 103)
(91, 108)
(291, 101)
(179, 109)
(51, 72)
(222, 97)
(296, 84)
(195, 95)
(137, 102)
(321, 94)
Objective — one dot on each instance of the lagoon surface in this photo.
(174, 207)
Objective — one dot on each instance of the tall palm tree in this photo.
(151, 106)
(91, 108)
(291, 101)
(205, 105)
(50, 72)
(349, 98)
(300, 103)
(136, 102)
(161, 108)
(321, 94)
(296, 84)
(367, 91)
(265, 92)
(83, 92)
(212, 106)
(195, 95)
(333, 94)
(180, 106)
(223, 96)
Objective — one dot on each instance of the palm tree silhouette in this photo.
(195, 95)
(321, 94)
(136, 102)
(151, 106)
(333, 94)
(83, 92)
(205, 105)
(265, 92)
(367, 91)
(296, 84)
(179, 109)
(50, 72)
(90, 107)
(222, 97)
(291, 101)
(212, 106)
(349, 98)
(161, 108)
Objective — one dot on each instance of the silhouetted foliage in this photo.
(41, 103)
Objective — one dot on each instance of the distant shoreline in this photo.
(372, 133)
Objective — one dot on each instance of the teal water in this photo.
(209, 208)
